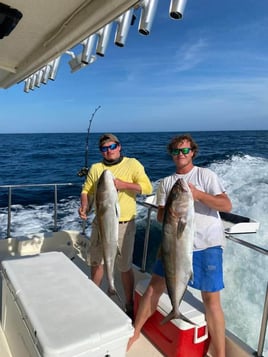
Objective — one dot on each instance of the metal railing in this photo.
(55, 211)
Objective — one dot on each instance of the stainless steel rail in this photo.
(54, 185)
(247, 244)
(263, 326)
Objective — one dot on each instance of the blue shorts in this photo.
(207, 269)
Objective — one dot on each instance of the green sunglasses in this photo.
(184, 151)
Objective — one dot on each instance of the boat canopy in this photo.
(32, 47)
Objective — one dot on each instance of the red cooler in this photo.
(176, 338)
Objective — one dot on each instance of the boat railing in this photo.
(240, 225)
(54, 186)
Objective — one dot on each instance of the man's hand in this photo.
(130, 186)
(195, 191)
(82, 212)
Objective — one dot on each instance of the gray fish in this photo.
(177, 244)
(107, 213)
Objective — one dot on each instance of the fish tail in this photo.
(113, 292)
(184, 318)
(173, 315)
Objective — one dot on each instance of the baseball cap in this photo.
(108, 137)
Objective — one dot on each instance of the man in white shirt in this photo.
(209, 198)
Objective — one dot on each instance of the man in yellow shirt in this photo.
(130, 180)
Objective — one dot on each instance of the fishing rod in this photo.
(84, 170)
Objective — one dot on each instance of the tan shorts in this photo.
(126, 239)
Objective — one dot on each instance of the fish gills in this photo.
(107, 213)
(177, 244)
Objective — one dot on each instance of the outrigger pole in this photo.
(84, 170)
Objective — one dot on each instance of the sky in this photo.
(208, 71)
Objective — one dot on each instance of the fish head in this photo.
(105, 180)
(181, 186)
(180, 192)
(106, 192)
(178, 201)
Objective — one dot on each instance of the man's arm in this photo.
(86, 205)
(219, 202)
(160, 213)
(123, 185)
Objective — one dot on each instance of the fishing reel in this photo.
(82, 172)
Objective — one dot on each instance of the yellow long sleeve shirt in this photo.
(128, 170)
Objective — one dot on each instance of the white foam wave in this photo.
(246, 182)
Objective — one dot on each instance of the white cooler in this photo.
(50, 308)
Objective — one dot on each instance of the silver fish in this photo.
(107, 213)
(177, 244)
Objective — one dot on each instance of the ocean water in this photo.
(240, 158)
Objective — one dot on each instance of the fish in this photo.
(107, 214)
(177, 245)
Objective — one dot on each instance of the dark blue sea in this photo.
(50, 158)
(240, 158)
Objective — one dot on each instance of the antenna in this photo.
(84, 170)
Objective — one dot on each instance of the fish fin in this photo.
(184, 318)
(113, 292)
(117, 210)
(191, 280)
(118, 251)
(172, 315)
(181, 226)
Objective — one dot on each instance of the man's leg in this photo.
(97, 274)
(147, 305)
(215, 321)
(127, 278)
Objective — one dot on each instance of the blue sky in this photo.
(208, 71)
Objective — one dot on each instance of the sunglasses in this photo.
(110, 147)
(184, 151)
